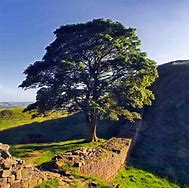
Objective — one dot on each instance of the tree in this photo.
(95, 67)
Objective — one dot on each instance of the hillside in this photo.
(14, 117)
(53, 132)
(13, 104)
(163, 144)
(19, 127)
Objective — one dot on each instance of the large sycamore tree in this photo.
(95, 67)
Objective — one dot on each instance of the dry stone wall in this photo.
(109, 163)
(14, 173)
(103, 161)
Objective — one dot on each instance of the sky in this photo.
(26, 28)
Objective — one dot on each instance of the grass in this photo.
(55, 131)
(136, 178)
(54, 183)
(40, 153)
(131, 177)
(22, 129)
(16, 117)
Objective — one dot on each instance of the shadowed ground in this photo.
(70, 127)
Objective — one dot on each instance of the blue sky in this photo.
(27, 28)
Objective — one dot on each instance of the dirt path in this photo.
(32, 158)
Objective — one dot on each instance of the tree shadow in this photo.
(56, 130)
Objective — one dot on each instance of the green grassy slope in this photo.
(53, 128)
(14, 117)
(54, 132)
(132, 177)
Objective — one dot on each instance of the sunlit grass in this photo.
(54, 183)
(19, 118)
(40, 153)
(133, 177)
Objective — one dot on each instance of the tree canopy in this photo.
(95, 67)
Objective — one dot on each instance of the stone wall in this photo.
(113, 158)
(103, 161)
(14, 173)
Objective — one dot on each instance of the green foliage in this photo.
(6, 114)
(54, 183)
(134, 178)
(96, 67)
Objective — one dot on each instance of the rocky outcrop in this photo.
(14, 173)
(163, 146)
(103, 161)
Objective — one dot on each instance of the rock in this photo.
(15, 173)
(58, 164)
(64, 184)
(5, 173)
(117, 186)
(67, 180)
(93, 184)
(71, 177)
(83, 163)
(16, 184)
(4, 147)
(77, 164)
(4, 154)
(66, 172)
(3, 181)
(116, 150)
(5, 185)
(8, 163)
(18, 175)
(33, 182)
(24, 184)
(70, 158)
(25, 172)
(11, 179)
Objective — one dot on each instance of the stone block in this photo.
(16, 184)
(25, 172)
(18, 174)
(5, 173)
(11, 179)
(3, 181)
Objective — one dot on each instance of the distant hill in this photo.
(13, 104)
(163, 146)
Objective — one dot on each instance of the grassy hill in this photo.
(13, 104)
(22, 128)
(14, 117)
(59, 133)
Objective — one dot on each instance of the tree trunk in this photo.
(91, 124)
